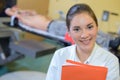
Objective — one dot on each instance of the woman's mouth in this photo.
(85, 41)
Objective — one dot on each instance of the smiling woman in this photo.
(82, 26)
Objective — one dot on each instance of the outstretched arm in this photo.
(29, 18)
(35, 21)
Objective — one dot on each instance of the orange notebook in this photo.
(79, 71)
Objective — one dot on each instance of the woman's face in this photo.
(83, 31)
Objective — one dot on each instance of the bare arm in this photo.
(29, 18)
(35, 21)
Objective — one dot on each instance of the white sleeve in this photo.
(113, 69)
(54, 69)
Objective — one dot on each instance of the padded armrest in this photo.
(44, 34)
(18, 25)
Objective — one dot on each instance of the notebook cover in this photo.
(79, 71)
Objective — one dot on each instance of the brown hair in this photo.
(79, 8)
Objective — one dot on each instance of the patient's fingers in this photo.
(9, 12)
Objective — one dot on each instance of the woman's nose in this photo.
(84, 34)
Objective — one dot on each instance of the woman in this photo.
(83, 28)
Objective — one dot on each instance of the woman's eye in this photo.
(76, 29)
(90, 26)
